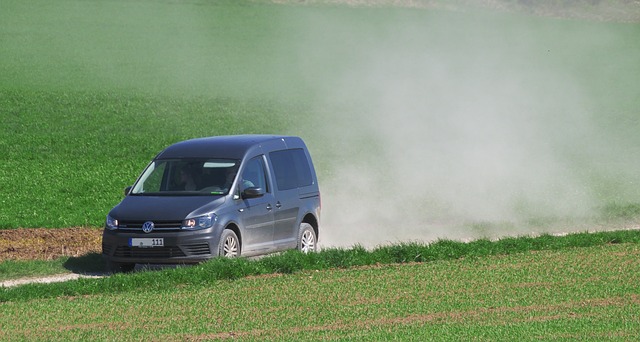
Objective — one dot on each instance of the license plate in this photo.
(146, 242)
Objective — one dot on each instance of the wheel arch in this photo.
(313, 221)
(234, 227)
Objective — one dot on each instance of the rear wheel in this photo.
(229, 244)
(307, 240)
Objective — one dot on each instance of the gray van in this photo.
(226, 196)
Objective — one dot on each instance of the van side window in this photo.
(254, 175)
(291, 168)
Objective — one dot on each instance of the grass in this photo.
(90, 91)
(80, 123)
(557, 292)
(290, 262)
(13, 269)
(78, 176)
(87, 264)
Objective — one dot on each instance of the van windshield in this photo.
(187, 177)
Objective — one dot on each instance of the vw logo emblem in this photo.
(147, 227)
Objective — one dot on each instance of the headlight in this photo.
(111, 223)
(200, 222)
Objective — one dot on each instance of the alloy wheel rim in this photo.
(308, 242)
(230, 247)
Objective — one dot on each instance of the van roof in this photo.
(229, 146)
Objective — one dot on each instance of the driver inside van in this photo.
(187, 178)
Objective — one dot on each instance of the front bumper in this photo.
(180, 247)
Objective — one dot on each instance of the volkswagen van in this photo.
(223, 196)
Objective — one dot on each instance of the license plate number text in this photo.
(146, 242)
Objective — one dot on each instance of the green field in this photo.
(588, 293)
(445, 121)
(480, 118)
(89, 93)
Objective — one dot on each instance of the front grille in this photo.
(199, 249)
(160, 225)
(154, 252)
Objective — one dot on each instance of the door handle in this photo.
(278, 205)
(269, 207)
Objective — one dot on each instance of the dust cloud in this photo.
(423, 123)
(449, 126)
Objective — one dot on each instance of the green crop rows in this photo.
(588, 292)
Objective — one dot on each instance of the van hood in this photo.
(164, 208)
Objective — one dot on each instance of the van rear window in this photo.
(291, 168)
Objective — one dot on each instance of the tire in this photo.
(307, 240)
(119, 267)
(229, 245)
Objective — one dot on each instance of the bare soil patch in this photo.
(48, 244)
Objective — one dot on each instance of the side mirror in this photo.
(253, 192)
(127, 190)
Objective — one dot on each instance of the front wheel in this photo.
(229, 244)
(307, 240)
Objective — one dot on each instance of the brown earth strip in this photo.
(48, 244)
